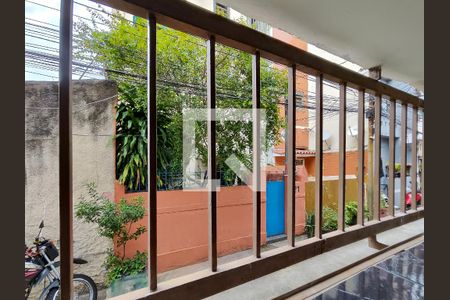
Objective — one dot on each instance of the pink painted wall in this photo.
(183, 223)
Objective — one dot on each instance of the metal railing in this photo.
(215, 29)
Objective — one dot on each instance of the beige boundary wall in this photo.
(93, 160)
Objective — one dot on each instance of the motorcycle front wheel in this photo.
(84, 288)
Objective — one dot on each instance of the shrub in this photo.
(117, 267)
(114, 221)
(351, 213)
(309, 227)
(330, 221)
(330, 218)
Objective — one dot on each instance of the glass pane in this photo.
(182, 154)
(274, 97)
(109, 148)
(304, 193)
(420, 158)
(330, 144)
(384, 157)
(398, 149)
(351, 162)
(368, 153)
(234, 154)
(409, 158)
(41, 139)
(310, 116)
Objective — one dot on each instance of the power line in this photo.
(329, 108)
(51, 63)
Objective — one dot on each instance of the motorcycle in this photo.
(40, 266)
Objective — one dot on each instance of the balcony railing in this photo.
(215, 29)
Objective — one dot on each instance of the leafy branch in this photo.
(115, 221)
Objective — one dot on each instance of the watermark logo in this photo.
(194, 180)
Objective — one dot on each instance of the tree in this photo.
(115, 221)
(121, 48)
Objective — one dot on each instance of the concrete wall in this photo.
(93, 160)
(330, 193)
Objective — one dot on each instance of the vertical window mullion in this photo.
(361, 130)
(151, 150)
(291, 156)
(256, 88)
(342, 152)
(65, 149)
(391, 187)
(422, 177)
(403, 158)
(212, 168)
(377, 159)
(319, 158)
(413, 173)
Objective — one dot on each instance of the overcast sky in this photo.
(46, 13)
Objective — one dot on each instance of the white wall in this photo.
(331, 122)
(208, 4)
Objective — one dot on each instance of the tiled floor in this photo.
(398, 277)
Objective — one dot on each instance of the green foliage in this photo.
(383, 201)
(131, 137)
(181, 79)
(330, 218)
(330, 221)
(117, 267)
(366, 212)
(114, 221)
(309, 227)
(351, 213)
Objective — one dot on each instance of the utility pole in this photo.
(374, 73)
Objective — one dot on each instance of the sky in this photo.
(39, 11)
(46, 13)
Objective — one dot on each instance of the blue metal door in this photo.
(274, 208)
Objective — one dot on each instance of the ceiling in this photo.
(366, 32)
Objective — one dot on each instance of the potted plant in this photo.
(114, 221)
